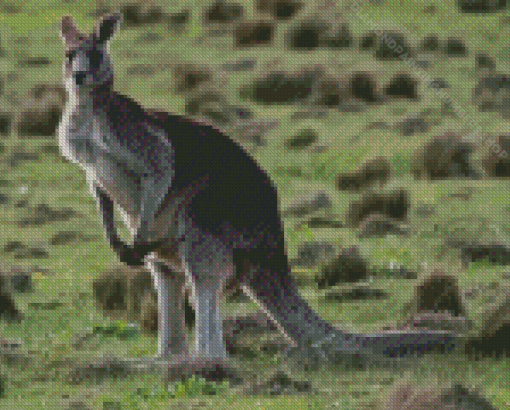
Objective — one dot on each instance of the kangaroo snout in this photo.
(79, 77)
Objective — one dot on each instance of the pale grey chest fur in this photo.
(81, 136)
(85, 139)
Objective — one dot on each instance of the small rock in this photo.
(35, 62)
(439, 83)
(416, 123)
(241, 65)
(348, 266)
(280, 383)
(313, 203)
(304, 139)
(455, 47)
(311, 254)
(483, 61)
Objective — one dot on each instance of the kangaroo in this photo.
(200, 209)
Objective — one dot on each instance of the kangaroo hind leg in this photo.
(170, 285)
(209, 265)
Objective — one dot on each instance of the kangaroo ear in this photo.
(70, 34)
(108, 26)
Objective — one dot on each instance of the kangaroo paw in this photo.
(134, 255)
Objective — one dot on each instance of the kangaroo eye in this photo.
(70, 56)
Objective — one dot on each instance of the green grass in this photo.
(62, 307)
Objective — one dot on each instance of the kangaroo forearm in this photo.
(152, 198)
(106, 209)
(142, 233)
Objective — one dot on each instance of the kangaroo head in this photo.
(87, 61)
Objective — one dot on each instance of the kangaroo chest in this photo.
(85, 140)
(83, 137)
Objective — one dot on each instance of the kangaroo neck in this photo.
(96, 97)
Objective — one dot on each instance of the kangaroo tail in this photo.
(268, 281)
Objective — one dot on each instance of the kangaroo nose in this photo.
(79, 78)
